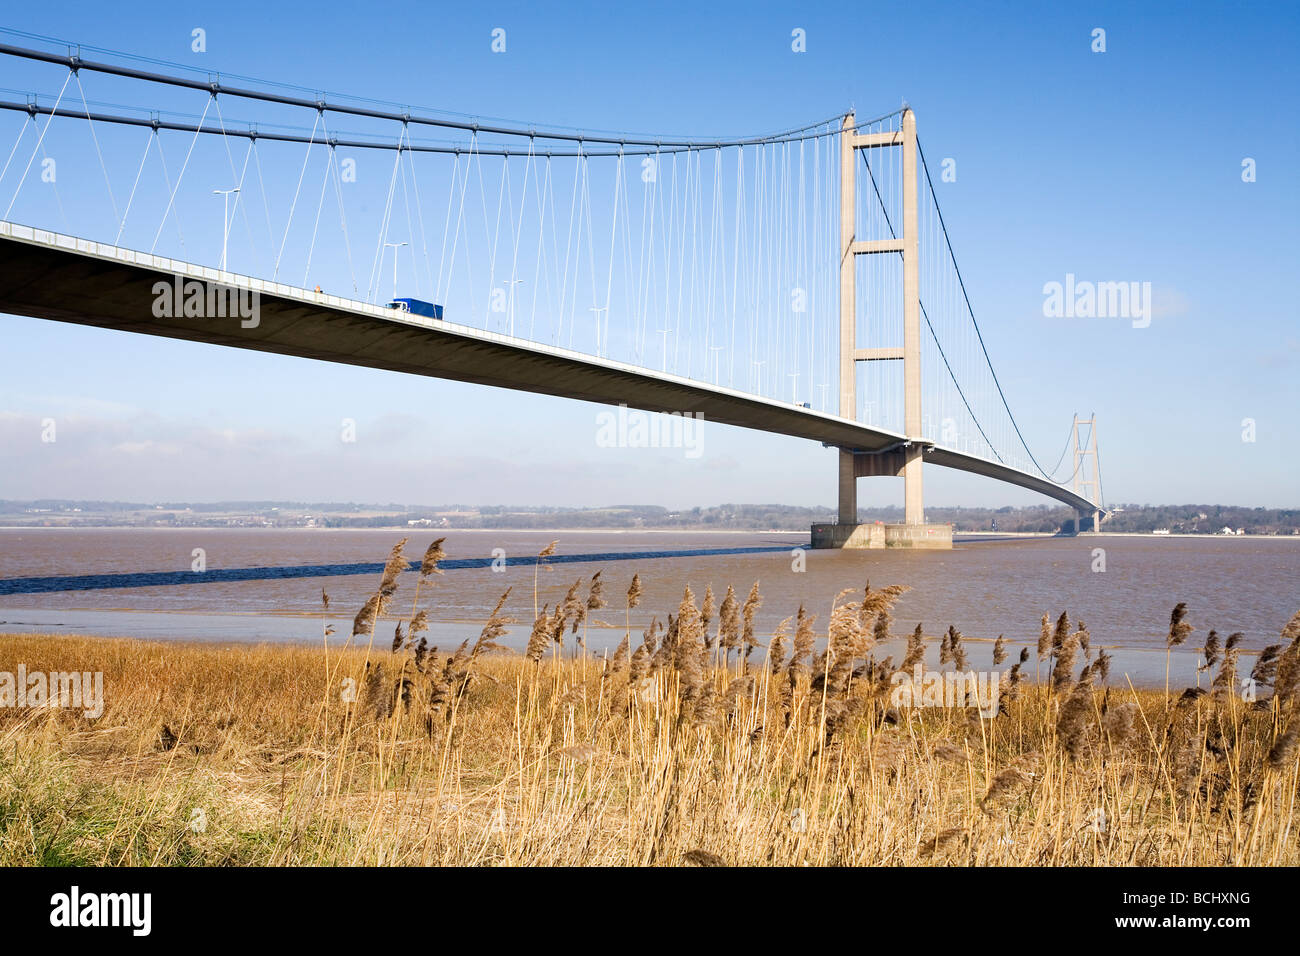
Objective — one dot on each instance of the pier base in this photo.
(929, 537)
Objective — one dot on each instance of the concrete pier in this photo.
(852, 537)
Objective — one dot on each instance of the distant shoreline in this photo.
(1129, 534)
(206, 528)
(986, 535)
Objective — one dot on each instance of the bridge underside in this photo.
(48, 276)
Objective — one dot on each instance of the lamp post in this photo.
(664, 333)
(598, 309)
(394, 246)
(225, 220)
(512, 283)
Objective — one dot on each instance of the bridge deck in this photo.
(51, 276)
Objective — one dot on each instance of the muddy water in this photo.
(985, 587)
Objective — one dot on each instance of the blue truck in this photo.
(417, 307)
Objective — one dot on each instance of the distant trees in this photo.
(1045, 519)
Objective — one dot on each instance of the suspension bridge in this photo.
(800, 282)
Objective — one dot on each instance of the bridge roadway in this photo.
(51, 276)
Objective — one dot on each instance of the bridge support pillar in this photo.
(848, 509)
(913, 506)
(1082, 516)
(847, 533)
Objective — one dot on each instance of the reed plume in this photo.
(1287, 683)
(364, 622)
(1179, 629)
(1266, 664)
(956, 651)
(688, 647)
(1283, 752)
(1102, 666)
(572, 611)
(803, 642)
(540, 638)
(729, 623)
(542, 555)
(999, 650)
(1005, 786)
(915, 651)
(752, 604)
(703, 858)
(496, 626)
(1074, 726)
(618, 658)
(432, 556)
(1011, 691)
(596, 593)
(376, 697)
(707, 613)
(1120, 723)
(1226, 680)
(776, 649)
(1060, 633)
(1210, 652)
(1044, 637)
(393, 567)
(845, 643)
(1063, 654)
(639, 666)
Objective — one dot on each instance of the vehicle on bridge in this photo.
(417, 307)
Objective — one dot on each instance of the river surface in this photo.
(984, 586)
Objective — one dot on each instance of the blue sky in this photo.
(1122, 165)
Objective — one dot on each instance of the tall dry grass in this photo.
(700, 742)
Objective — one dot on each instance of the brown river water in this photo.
(984, 586)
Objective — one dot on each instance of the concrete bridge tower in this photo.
(905, 459)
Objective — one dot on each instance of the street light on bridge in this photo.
(664, 333)
(512, 283)
(598, 309)
(225, 220)
(394, 246)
